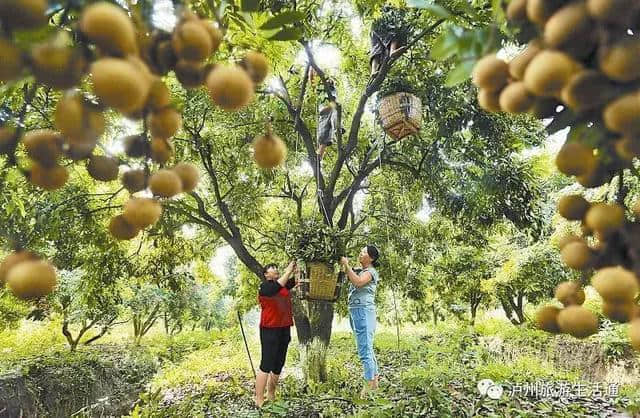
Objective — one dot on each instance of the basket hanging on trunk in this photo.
(400, 114)
(320, 282)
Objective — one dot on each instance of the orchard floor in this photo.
(434, 372)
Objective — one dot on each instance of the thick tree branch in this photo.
(211, 221)
(105, 328)
(303, 90)
(305, 133)
(232, 237)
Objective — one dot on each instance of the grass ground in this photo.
(433, 372)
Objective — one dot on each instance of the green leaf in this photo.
(287, 34)
(250, 5)
(468, 9)
(221, 10)
(444, 47)
(460, 73)
(25, 38)
(238, 19)
(498, 11)
(249, 19)
(431, 7)
(465, 43)
(282, 19)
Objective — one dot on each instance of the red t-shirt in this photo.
(275, 302)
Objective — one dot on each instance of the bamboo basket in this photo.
(320, 282)
(401, 115)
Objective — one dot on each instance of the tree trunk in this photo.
(73, 344)
(166, 323)
(510, 307)
(136, 329)
(519, 310)
(313, 320)
(102, 333)
(475, 300)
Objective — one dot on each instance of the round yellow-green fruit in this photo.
(189, 176)
(121, 229)
(165, 183)
(605, 218)
(615, 284)
(142, 212)
(269, 151)
(570, 293)
(13, 260)
(231, 88)
(109, 27)
(31, 279)
(490, 73)
(577, 321)
(577, 255)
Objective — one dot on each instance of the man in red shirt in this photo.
(276, 320)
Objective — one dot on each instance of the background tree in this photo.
(529, 274)
(144, 302)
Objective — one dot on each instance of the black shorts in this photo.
(379, 44)
(275, 342)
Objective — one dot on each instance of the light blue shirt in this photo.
(364, 296)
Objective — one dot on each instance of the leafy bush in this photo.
(173, 348)
(524, 369)
(12, 310)
(614, 339)
(313, 240)
(524, 336)
(199, 366)
(396, 82)
(31, 339)
(392, 24)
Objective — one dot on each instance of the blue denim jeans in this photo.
(363, 324)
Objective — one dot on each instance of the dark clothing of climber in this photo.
(327, 118)
(327, 123)
(388, 33)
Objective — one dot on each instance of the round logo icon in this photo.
(484, 385)
(488, 388)
(495, 392)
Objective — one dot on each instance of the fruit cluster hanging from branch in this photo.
(124, 60)
(581, 68)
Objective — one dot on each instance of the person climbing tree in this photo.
(362, 310)
(276, 319)
(388, 34)
(327, 119)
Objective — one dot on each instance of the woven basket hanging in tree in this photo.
(401, 114)
(320, 282)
